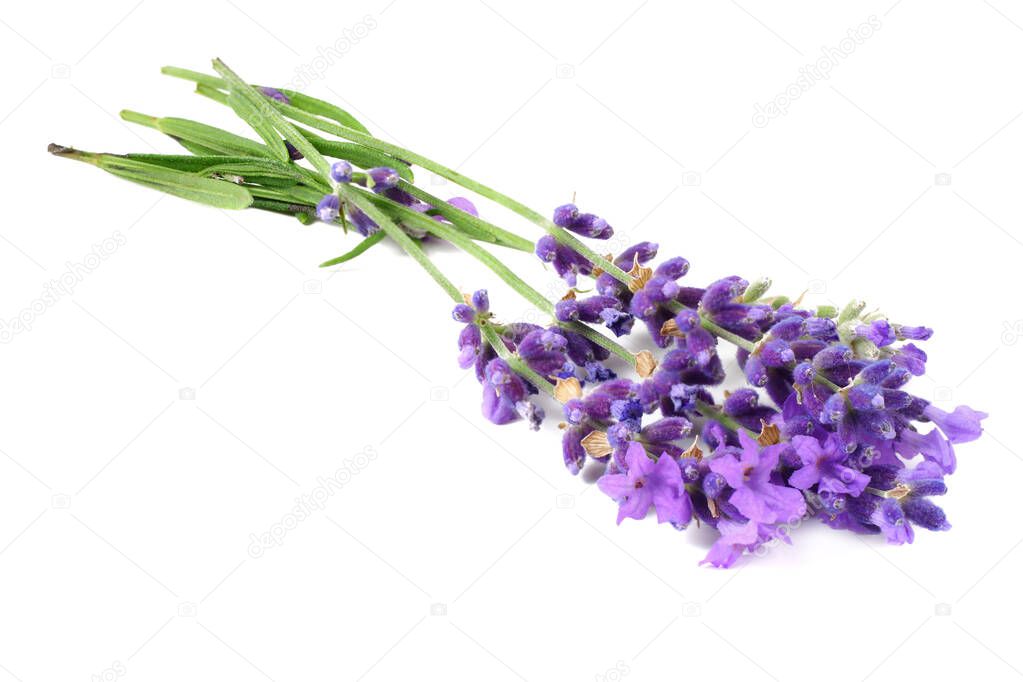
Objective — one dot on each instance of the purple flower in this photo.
(543, 351)
(618, 321)
(891, 519)
(463, 313)
(364, 225)
(293, 152)
(531, 413)
(749, 475)
(275, 94)
(960, 426)
(646, 484)
(503, 390)
(824, 466)
(879, 332)
(585, 224)
(903, 332)
(933, 446)
(566, 261)
(463, 204)
(382, 178)
(341, 171)
(572, 449)
(736, 537)
(481, 300)
(329, 208)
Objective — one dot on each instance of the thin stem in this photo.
(459, 217)
(406, 242)
(519, 285)
(711, 412)
(728, 336)
(413, 249)
(514, 361)
(561, 235)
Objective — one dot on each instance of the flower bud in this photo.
(341, 171)
(382, 178)
(463, 313)
(565, 215)
(481, 300)
(329, 208)
(463, 204)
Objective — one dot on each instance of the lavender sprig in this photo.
(824, 429)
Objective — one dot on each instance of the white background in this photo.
(127, 510)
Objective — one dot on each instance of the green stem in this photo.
(514, 361)
(728, 336)
(459, 217)
(406, 242)
(711, 412)
(563, 236)
(520, 286)
(749, 346)
(413, 249)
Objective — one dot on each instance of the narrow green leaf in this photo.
(195, 148)
(194, 76)
(255, 169)
(212, 93)
(275, 118)
(409, 245)
(359, 249)
(199, 135)
(258, 122)
(325, 109)
(186, 185)
(185, 162)
(305, 102)
(358, 155)
(284, 207)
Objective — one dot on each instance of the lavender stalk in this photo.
(824, 428)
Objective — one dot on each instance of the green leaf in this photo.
(360, 248)
(195, 148)
(273, 117)
(194, 76)
(284, 207)
(216, 193)
(185, 162)
(255, 168)
(199, 135)
(319, 107)
(358, 155)
(258, 122)
(325, 109)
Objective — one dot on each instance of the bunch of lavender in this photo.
(825, 428)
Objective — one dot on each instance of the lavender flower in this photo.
(293, 152)
(382, 178)
(960, 426)
(341, 171)
(648, 483)
(566, 261)
(329, 208)
(749, 474)
(275, 94)
(585, 224)
(364, 225)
